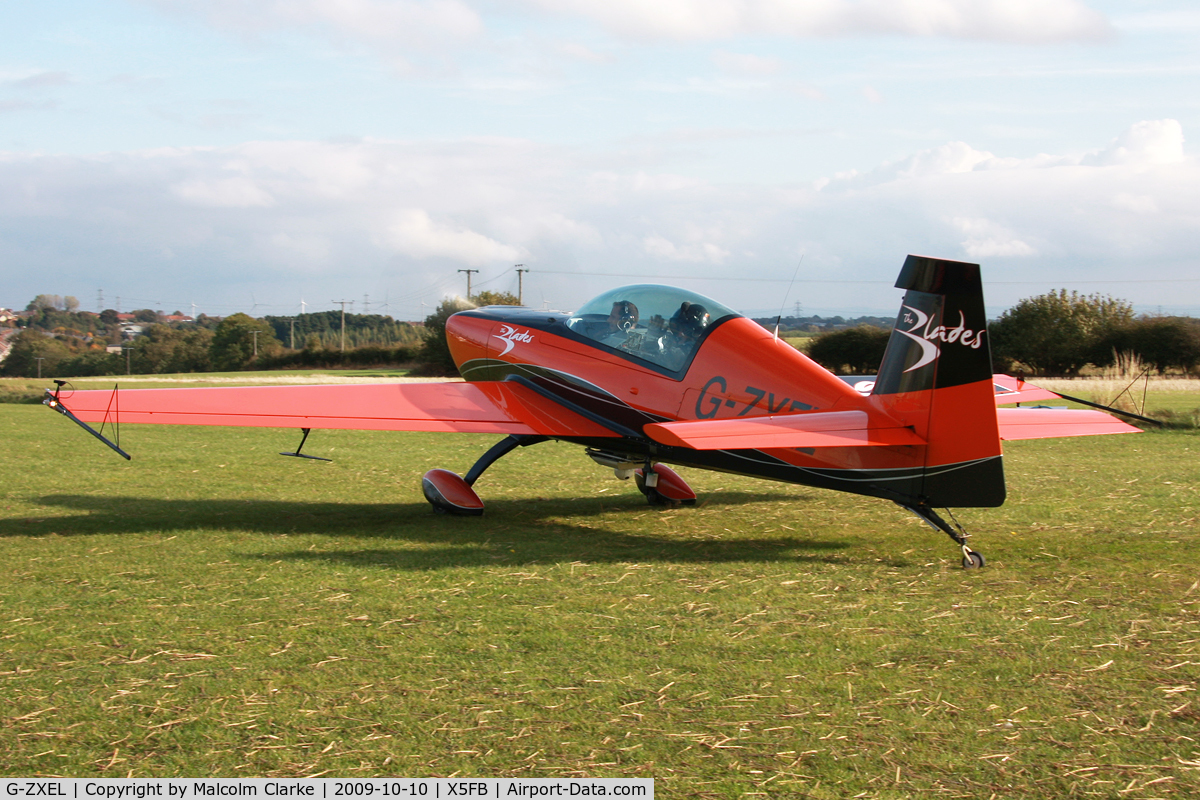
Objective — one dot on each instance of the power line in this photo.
(740, 279)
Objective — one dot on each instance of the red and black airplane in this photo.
(645, 376)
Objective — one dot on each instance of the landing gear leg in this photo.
(449, 493)
(497, 452)
(971, 559)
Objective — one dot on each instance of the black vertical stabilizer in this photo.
(937, 376)
(940, 339)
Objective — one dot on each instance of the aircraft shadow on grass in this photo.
(513, 532)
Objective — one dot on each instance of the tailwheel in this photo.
(448, 493)
(973, 559)
(663, 486)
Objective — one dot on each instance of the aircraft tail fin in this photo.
(936, 377)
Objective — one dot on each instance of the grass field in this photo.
(212, 609)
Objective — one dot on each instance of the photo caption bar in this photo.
(325, 788)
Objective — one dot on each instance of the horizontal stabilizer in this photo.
(816, 429)
(1052, 423)
(1016, 390)
(1008, 389)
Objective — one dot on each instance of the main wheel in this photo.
(652, 495)
(672, 491)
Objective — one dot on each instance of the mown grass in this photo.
(213, 609)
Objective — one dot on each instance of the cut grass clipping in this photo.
(212, 609)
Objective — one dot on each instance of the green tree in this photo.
(486, 298)
(27, 347)
(45, 302)
(856, 350)
(361, 329)
(233, 343)
(154, 350)
(93, 362)
(164, 349)
(1057, 333)
(192, 352)
(1161, 342)
(434, 357)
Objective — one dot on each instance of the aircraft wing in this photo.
(814, 429)
(1052, 423)
(506, 408)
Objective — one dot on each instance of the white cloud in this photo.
(1146, 143)
(998, 20)
(414, 233)
(746, 64)
(947, 159)
(1132, 204)
(223, 193)
(576, 51)
(394, 28)
(406, 21)
(662, 248)
(986, 239)
(341, 215)
(1138, 204)
(36, 79)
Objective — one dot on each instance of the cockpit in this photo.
(661, 324)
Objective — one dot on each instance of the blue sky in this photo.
(255, 154)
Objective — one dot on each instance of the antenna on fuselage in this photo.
(779, 318)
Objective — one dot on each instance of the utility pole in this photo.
(255, 335)
(343, 304)
(468, 271)
(293, 339)
(39, 360)
(521, 284)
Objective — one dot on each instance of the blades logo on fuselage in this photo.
(510, 336)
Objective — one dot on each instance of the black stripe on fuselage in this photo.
(962, 484)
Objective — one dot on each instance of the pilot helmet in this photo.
(690, 320)
(625, 315)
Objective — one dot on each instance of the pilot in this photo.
(683, 333)
(622, 320)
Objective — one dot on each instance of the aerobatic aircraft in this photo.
(645, 376)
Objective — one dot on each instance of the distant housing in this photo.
(131, 327)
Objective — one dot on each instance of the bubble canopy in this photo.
(662, 324)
